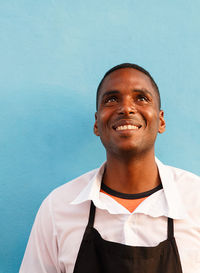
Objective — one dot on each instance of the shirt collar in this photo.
(166, 202)
(92, 189)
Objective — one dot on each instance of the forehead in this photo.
(125, 78)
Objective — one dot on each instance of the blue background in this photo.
(52, 57)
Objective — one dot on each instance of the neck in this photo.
(132, 175)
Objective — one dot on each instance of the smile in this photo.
(127, 127)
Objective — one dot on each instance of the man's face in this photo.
(128, 117)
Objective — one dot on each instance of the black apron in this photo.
(97, 255)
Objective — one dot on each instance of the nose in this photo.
(127, 107)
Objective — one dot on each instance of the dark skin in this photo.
(128, 120)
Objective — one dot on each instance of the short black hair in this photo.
(128, 65)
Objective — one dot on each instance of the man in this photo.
(133, 214)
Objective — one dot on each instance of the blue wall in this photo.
(52, 56)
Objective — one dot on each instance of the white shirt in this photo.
(62, 218)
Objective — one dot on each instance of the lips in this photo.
(127, 127)
(129, 124)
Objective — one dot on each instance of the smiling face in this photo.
(128, 117)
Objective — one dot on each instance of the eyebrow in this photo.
(144, 91)
(113, 92)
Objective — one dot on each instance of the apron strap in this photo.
(92, 215)
(170, 228)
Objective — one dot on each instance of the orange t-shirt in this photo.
(129, 201)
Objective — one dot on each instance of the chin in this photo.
(126, 151)
(130, 151)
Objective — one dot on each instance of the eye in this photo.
(142, 98)
(110, 99)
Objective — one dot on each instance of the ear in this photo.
(96, 132)
(162, 124)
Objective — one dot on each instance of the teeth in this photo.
(126, 127)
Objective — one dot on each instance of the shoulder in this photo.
(181, 182)
(67, 192)
(58, 203)
(188, 186)
(184, 177)
(177, 175)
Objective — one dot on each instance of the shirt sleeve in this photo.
(41, 253)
